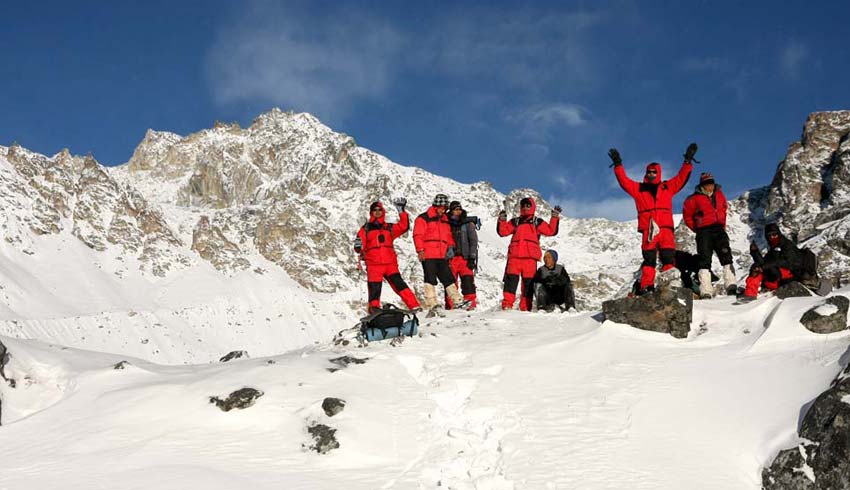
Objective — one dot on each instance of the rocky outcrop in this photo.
(810, 194)
(822, 460)
(232, 355)
(211, 244)
(666, 310)
(827, 317)
(343, 362)
(239, 399)
(792, 289)
(324, 438)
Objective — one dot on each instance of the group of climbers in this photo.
(446, 242)
(704, 213)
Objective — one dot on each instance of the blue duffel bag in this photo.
(388, 322)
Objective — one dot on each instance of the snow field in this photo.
(482, 400)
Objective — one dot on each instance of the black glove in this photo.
(754, 247)
(615, 157)
(358, 245)
(472, 263)
(399, 204)
(556, 210)
(690, 152)
(503, 215)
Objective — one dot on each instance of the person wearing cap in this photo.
(465, 260)
(704, 213)
(783, 263)
(374, 244)
(552, 285)
(432, 237)
(654, 203)
(524, 250)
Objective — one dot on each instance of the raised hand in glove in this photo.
(690, 152)
(358, 245)
(556, 211)
(399, 204)
(615, 157)
(503, 216)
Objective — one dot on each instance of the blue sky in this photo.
(521, 94)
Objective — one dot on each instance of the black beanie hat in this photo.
(455, 205)
(524, 201)
(771, 228)
(376, 205)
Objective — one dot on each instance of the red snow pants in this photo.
(516, 269)
(375, 275)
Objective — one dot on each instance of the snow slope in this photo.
(483, 400)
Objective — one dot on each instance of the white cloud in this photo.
(792, 58)
(615, 208)
(302, 61)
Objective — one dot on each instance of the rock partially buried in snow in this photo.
(324, 438)
(792, 290)
(121, 365)
(4, 358)
(667, 310)
(828, 317)
(825, 454)
(237, 354)
(333, 406)
(344, 361)
(241, 399)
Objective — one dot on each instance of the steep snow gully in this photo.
(480, 400)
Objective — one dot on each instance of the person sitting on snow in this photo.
(783, 263)
(552, 285)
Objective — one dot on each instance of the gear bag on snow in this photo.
(388, 322)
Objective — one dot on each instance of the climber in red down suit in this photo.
(524, 251)
(374, 243)
(654, 202)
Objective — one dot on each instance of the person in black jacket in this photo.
(783, 263)
(552, 285)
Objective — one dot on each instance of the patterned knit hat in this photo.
(706, 178)
(441, 200)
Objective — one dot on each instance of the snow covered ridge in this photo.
(488, 400)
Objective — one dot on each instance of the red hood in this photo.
(523, 212)
(383, 215)
(658, 169)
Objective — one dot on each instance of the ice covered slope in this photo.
(485, 400)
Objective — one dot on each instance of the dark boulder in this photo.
(817, 322)
(4, 358)
(666, 310)
(826, 430)
(786, 472)
(237, 354)
(333, 406)
(792, 289)
(324, 438)
(241, 399)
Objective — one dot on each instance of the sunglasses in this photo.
(526, 205)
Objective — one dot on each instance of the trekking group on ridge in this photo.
(446, 243)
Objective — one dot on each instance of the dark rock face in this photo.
(786, 472)
(237, 354)
(241, 399)
(344, 361)
(835, 322)
(324, 438)
(4, 358)
(826, 428)
(333, 406)
(121, 365)
(667, 310)
(792, 289)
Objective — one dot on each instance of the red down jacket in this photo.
(701, 210)
(432, 234)
(526, 231)
(654, 201)
(377, 237)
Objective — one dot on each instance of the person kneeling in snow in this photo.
(552, 285)
(783, 263)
